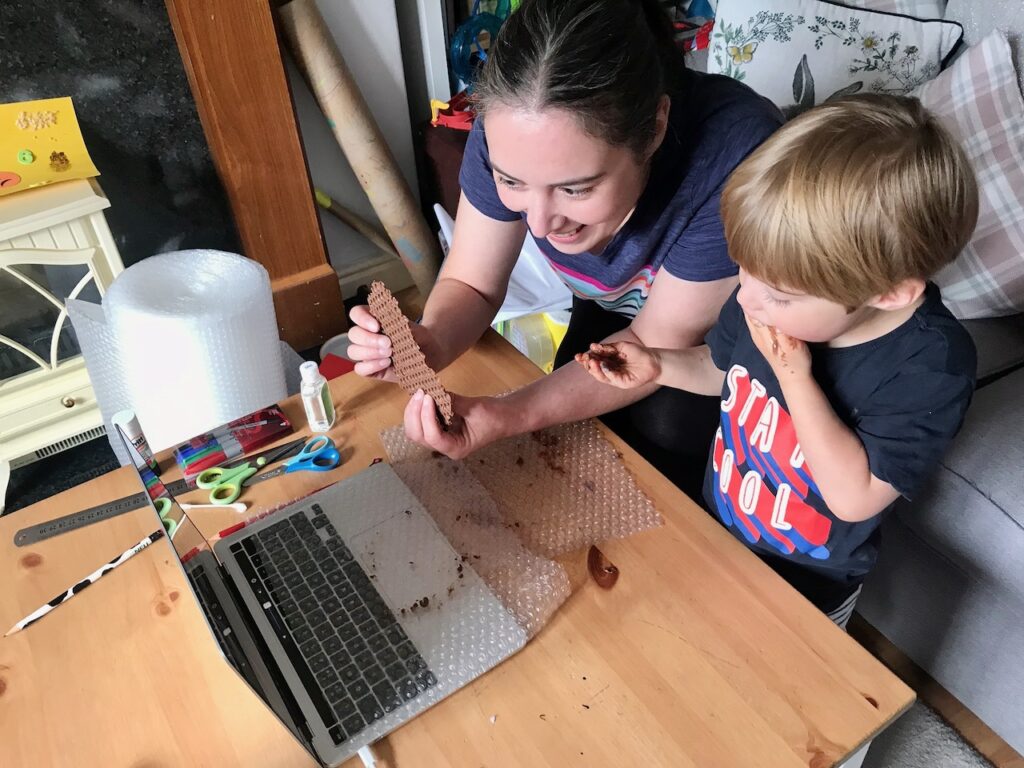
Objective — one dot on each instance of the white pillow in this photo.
(800, 53)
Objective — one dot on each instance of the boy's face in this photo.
(804, 317)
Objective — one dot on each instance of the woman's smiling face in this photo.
(576, 190)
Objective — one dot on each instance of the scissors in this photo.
(318, 455)
(163, 507)
(225, 483)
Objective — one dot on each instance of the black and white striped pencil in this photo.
(92, 578)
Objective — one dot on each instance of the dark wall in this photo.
(119, 62)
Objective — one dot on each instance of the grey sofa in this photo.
(949, 586)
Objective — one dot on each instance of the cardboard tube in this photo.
(356, 222)
(360, 139)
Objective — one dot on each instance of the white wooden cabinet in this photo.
(54, 245)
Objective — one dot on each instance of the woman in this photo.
(592, 135)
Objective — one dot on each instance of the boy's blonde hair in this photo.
(851, 198)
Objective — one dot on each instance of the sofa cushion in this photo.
(962, 628)
(979, 17)
(1000, 343)
(973, 510)
(920, 9)
(799, 53)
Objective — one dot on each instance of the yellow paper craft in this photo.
(41, 143)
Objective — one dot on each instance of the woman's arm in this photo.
(469, 292)
(677, 314)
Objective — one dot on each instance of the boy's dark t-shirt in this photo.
(904, 394)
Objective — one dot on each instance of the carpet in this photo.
(921, 739)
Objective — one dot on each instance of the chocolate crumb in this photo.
(613, 361)
(424, 602)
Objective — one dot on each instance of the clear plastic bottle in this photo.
(316, 398)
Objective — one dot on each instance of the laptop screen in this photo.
(182, 532)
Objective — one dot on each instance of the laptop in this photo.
(348, 612)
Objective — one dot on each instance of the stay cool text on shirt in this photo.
(762, 483)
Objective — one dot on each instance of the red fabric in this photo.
(333, 366)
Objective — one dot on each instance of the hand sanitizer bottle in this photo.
(316, 398)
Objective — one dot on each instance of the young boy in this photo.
(843, 377)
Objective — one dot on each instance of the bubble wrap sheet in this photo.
(560, 489)
(512, 507)
(529, 585)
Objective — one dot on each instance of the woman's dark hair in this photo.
(608, 62)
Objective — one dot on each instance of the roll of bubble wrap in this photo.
(188, 340)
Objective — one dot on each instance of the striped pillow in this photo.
(979, 101)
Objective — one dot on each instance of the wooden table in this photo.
(699, 656)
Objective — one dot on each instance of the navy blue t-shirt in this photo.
(714, 123)
(904, 395)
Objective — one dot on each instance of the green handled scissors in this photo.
(225, 485)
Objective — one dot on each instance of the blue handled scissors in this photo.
(318, 455)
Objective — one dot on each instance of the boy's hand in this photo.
(622, 364)
(787, 356)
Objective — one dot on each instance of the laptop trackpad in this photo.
(409, 562)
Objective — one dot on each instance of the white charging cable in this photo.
(367, 756)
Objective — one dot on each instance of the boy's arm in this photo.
(837, 456)
(627, 365)
(840, 463)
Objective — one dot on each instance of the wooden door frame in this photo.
(233, 61)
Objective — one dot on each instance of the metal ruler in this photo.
(84, 517)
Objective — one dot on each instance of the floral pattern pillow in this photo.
(799, 53)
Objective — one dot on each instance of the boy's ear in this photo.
(903, 294)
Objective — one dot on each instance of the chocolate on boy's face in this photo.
(796, 314)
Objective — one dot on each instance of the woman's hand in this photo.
(787, 356)
(477, 423)
(371, 350)
(622, 364)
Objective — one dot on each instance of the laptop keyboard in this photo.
(215, 614)
(354, 659)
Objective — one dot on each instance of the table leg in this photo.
(856, 760)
